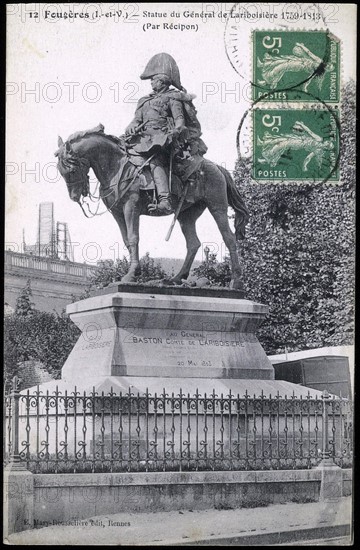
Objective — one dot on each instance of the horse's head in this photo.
(74, 169)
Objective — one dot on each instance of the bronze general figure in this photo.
(156, 168)
(165, 128)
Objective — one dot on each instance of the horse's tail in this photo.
(237, 203)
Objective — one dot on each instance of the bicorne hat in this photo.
(163, 63)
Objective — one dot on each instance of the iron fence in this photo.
(116, 432)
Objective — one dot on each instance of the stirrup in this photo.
(162, 207)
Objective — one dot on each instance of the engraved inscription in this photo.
(183, 348)
(97, 345)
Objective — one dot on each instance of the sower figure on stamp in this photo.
(165, 130)
(302, 139)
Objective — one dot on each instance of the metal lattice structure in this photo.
(51, 241)
(63, 242)
(45, 243)
(125, 432)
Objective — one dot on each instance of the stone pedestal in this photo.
(154, 335)
(139, 338)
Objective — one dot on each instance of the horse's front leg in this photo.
(131, 210)
(120, 220)
(187, 220)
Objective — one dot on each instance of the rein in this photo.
(97, 199)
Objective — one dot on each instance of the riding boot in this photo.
(164, 204)
(162, 186)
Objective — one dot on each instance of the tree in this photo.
(218, 273)
(42, 336)
(110, 271)
(298, 256)
(32, 334)
(24, 306)
(150, 269)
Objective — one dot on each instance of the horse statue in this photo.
(121, 190)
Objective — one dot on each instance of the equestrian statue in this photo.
(156, 168)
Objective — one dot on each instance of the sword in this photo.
(170, 168)
(177, 212)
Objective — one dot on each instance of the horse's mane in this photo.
(97, 131)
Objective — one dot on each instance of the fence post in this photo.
(331, 474)
(18, 491)
(15, 396)
(325, 451)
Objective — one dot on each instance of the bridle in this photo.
(83, 164)
(83, 180)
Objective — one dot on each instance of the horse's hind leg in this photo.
(187, 220)
(220, 215)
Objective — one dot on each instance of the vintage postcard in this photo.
(179, 273)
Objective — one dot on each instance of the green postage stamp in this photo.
(293, 144)
(284, 60)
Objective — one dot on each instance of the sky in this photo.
(66, 74)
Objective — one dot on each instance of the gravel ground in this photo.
(178, 527)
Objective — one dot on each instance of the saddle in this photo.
(182, 171)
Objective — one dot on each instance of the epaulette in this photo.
(174, 94)
(181, 96)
